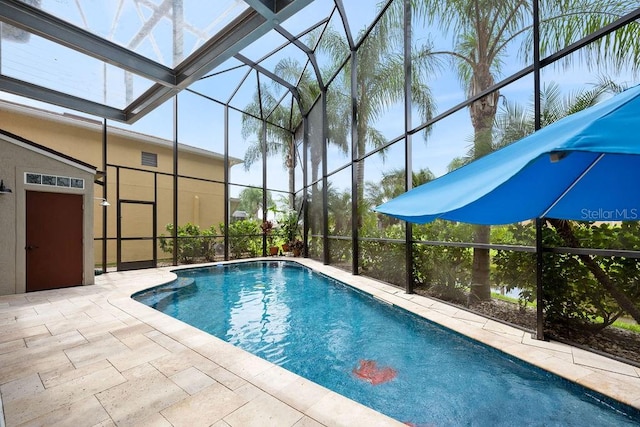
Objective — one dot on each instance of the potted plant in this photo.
(297, 246)
(267, 230)
(288, 229)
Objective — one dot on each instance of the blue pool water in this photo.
(322, 330)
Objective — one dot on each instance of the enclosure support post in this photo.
(326, 248)
(305, 184)
(104, 196)
(408, 167)
(263, 148)
(355, 261)
(226, 182)
(155, 219)
(539, 285)
(537, 125)
(118, 226)
(175, 180)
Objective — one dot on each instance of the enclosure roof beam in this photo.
(35, 21)
(50, 96)
(272, 76)
(303, 47)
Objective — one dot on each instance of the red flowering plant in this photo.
(267, 227)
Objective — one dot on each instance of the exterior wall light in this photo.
(103, 201)
(4, 189)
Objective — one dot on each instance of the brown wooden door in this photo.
(54, 248)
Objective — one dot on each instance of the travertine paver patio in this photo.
(91, 356)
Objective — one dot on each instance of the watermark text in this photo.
(609, 214)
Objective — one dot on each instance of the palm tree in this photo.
(380, 73)
(339, 203)
(284, 121)
(483, 30)
(380, 82)
(251, 201)
(391, 186)
(279, 120)
(339, 220)
(514, 121)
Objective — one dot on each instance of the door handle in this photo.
(31, 247)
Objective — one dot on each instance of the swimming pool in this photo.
(379, 355)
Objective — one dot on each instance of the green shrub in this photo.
(573, 296)
(193, 244)
(288, 227)
(515, 269)
(245, 238)
(445, 271)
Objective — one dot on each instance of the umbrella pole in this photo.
(539, 290)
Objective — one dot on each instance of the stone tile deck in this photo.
(91, 356)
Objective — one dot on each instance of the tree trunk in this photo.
(360, 192)
(483, 113)
(315, 199)
(480, 283)
(566, 232)
(291, 168)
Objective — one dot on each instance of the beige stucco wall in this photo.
(199, 202)
(17, 158)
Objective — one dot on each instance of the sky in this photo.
(201, 121)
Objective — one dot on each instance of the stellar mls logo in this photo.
(609, 214)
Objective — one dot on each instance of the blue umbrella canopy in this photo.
(585, 166)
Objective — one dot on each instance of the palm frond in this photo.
(565, 22)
